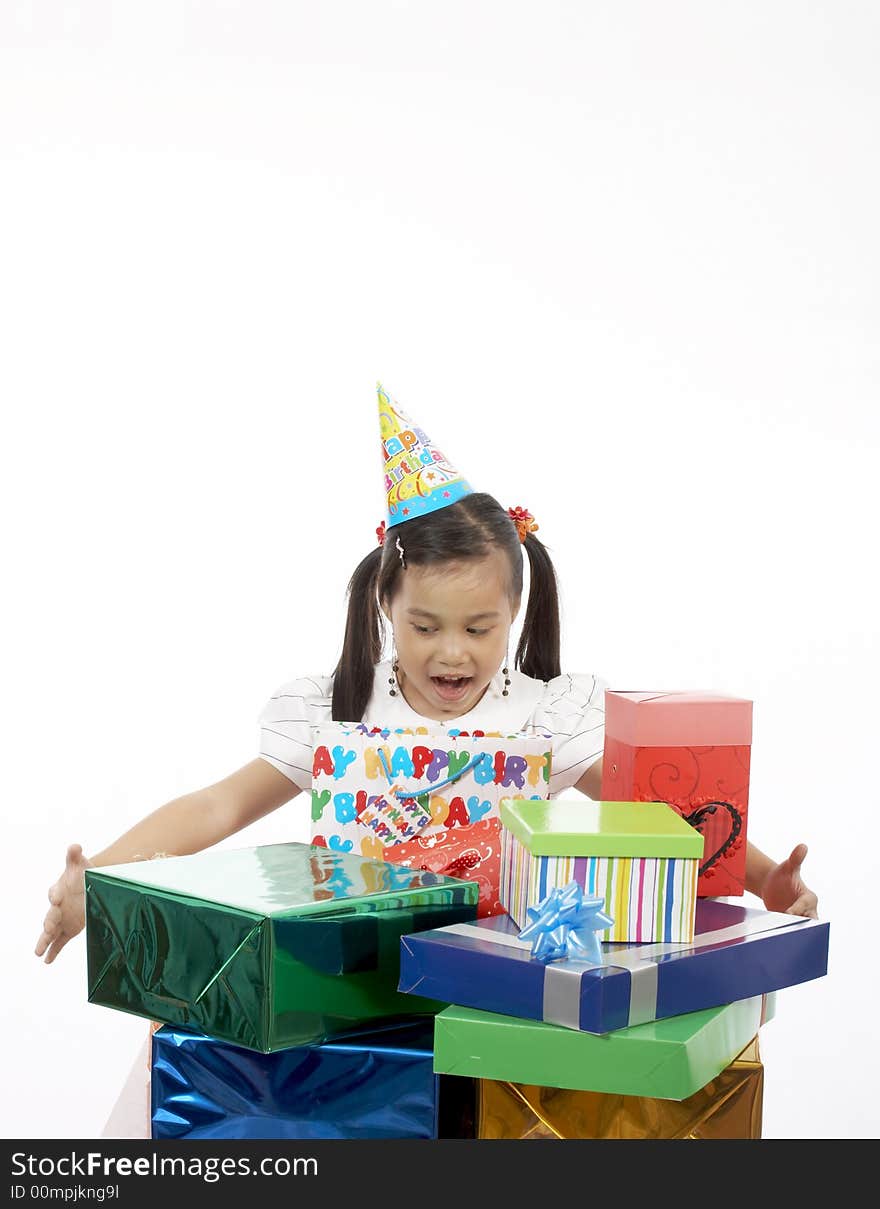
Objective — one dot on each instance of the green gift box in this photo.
(641, 858)
(666, 1059)
(266, 947)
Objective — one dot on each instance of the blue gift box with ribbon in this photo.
(737, 952)
(376, 1083)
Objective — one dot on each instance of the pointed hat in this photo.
(418, 477)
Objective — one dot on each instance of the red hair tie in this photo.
(380, 534)
(524, 521)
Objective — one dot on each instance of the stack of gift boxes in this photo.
(513, 967)
(274, 971)
(646, 1040)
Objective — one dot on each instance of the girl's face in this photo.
(451, 625)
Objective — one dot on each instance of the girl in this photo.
(450, 585)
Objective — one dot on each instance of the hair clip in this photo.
(524, 521)
(400, 552)
(380, 534)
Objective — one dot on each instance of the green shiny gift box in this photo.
(266, 947)
(667, 1059)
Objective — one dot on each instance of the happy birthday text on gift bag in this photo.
(373, 788)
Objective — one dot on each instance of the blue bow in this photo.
(565, 924)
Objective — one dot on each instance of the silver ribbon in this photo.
(562, 979)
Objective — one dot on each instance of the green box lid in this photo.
(584, 828)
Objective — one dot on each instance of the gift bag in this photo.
(472, 853)
(374, 790)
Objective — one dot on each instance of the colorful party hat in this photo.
(418, 477)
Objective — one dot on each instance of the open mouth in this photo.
(451, 688)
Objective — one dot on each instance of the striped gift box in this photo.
(641, 858)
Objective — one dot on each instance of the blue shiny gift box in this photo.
(369, 1084)
(737, 953)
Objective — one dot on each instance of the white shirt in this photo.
(569, 708)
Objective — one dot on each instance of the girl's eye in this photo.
(423, 629)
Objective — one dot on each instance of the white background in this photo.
(619, 259)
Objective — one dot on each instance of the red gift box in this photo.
(472, 853)
(692, 751)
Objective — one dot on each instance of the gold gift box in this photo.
(727, 1107)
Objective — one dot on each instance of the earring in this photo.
(392, 679)
(505, 671)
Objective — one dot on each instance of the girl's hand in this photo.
(67, 916)
(784, 890)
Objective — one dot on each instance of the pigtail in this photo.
(362, 644)
(537, 653)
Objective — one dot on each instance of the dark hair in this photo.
(469, 528)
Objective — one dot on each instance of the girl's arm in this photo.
(203, 818)
(591, 781)
(187, 824)
(758, 865)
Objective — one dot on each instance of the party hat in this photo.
(418, 477)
